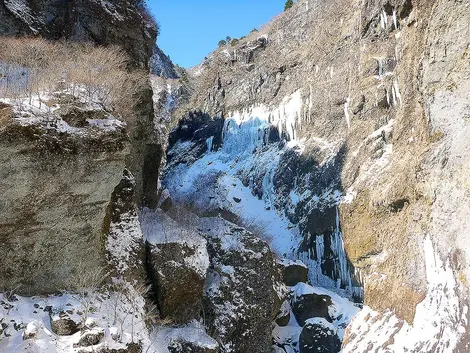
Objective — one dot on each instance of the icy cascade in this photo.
(240, 178)
(287, 117)
(342, 278)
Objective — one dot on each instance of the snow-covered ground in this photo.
(118, 314)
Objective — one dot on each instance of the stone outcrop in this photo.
(177, 261)
(60, 172)
(57, 187)
(319, 336)
(240, 300)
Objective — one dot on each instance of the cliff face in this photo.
(121, 23)
(60, 171)
(347, 120)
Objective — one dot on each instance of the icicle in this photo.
(209, 142)
(382, 21)
(397, 91)
(395, 22)
(394, 95)
(320, 247)
(385, 18)
(309, 103)
(346, 113)
(381, 68)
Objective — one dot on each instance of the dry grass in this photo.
(32, 67)
(5, 114)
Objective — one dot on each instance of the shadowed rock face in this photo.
(119, 23)
(319, 337)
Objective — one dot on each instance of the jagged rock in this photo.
(63, 325)
(90, 337)
(177, 260)
(294, 272)
(283, 317)
(161, 65)
(319, 336)
(119, 23)
(240, 301)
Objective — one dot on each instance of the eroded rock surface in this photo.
(240, 300)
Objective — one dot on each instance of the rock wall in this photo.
(60, 182)
(365, 104)
(56, 190)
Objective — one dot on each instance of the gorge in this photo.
(304, 189)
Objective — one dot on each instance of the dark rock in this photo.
(179, 287)
(311, 305)
(64, 325)
(237, 200)
(161, 64)
(294, 272)
(118, 23)
(240, 302)
(383, 101)
(90, 338)
(283, 317)
(319, 337)
(177, 263)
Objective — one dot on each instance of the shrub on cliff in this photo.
(288, 4)
(37, 69)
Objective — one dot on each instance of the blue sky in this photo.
(191, 29)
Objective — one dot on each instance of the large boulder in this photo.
(178, 262)
(293, 272)
(63, 325)
(307, 304)
(240, 300)
(319, 336)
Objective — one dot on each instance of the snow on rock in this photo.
(193, 333)
(240, 298)
(125, 238)
(35, 112)
(21, 9)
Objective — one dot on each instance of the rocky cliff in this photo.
(338, 130)
(60, 172)
(314, 195)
